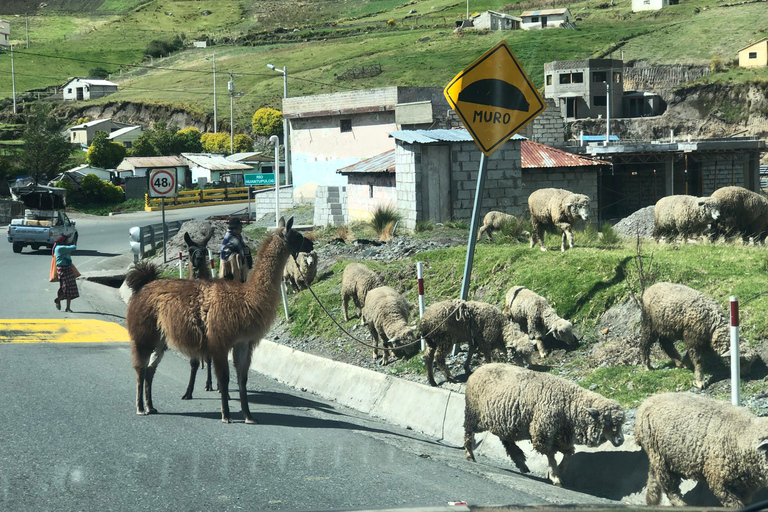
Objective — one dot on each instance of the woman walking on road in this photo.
(64, 268)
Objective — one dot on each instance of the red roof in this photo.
(535, 155)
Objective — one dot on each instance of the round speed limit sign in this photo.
(162, 183)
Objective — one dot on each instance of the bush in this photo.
(267, 122)
(424, 225)
(96, 190)
(716, 65)
(610, 236)
(382, 216)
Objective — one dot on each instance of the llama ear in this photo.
(188, 239)
(281, 222)
(289, 225)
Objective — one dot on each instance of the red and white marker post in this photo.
(420, 280)
(735, 360)
(210, 258)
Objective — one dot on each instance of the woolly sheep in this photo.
(302, 275)
(673, 312)
(356, 281)
(700, 438)
(684, 215)
(494, 221)
(483, 326)
(531, 310)
(741, 212)
(554, 413)
(386, 315)
(556, 208)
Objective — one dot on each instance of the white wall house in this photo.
(126, 136)
(83, 89)
(216, 168)
(651, 5)
(83, 133)
(492, 20)
(545, 18)
(5, 33)
(139, 165)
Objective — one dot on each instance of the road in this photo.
(70, 438)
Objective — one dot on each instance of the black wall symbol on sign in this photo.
(495, 93)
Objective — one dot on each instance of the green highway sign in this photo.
(267, 178)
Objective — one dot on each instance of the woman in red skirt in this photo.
(67, 280)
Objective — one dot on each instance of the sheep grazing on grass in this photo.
(701, 438)
(672, 312)
(386, 315)
(299, 274)
(684, 215)
(743, 213)
(483, 326)
(554, 413)
(538, 318)
(556, 208)
(356, 281)
(494, 221)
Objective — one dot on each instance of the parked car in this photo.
(44, 219)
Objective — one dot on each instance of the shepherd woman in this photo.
(67, 284)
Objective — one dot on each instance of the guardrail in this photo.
(201, 197)
(152, 235)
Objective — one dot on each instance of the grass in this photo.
(131, 205)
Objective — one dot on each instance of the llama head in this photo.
(295, 240)
(198, 256)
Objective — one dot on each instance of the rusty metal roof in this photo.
(535, 155)
(385, 162)
(431, 136)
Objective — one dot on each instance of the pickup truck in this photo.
(43, 219)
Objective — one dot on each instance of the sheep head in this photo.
(602, 424)
(710, 207)
(577, 206)
(406, 337)
(563, 331)
(519, 345)
(613, 422)
(747, 357)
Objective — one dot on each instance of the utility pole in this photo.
(13, 79)
(27, 23)
(215, 121)
(231, 88)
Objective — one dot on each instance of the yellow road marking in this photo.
(61, 331)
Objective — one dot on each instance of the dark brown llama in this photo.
(208, 318)
(198, 268)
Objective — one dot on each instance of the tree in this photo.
(215, 143)
(104, 153)
(267, 121)
(242, 143)
(46, 148)
(143, 146)
(188, 140)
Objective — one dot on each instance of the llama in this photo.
(207, 318)
(199, 268)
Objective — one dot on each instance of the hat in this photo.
(61, 239)
(234, 222)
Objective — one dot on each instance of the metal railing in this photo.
(203, 197)
(153, 236)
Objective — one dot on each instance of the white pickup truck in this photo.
(43, 220)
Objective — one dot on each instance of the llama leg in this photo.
(140, 377)
(154, 360)
(241, 354)
(193, 365)
(221, 365)
(209, 379)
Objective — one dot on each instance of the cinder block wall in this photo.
(265, 200)
(331, 206)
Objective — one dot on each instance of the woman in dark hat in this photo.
(67, 280)
(233, 244)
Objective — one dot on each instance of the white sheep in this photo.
(539, 319)
(554, 413)
(742, 212)
(700, 438)
(356, 281)
(482, 326)
(301, 272)
(684, 215)
(386, 315)
(556, 208)
(494, 221)
(672, 312)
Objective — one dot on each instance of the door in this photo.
(570, 107)
(436, 182)
(79, 91)
(543, 22)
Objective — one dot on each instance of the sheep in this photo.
(356, 281)
(494, 221)
(684, 215)
(554, 413)
(673, 312)
(701, 438)
(556, 208)
(483, 326)
(741, 212)
(386, 315)
(532, 311)
(301, 272)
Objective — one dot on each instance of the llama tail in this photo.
(141, 274)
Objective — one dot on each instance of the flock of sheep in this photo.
(684, 435)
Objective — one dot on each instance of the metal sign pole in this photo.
(165, 230)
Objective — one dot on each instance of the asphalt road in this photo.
(70, 438)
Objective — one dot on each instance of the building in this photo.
(546, 18)
(83, 133)
(126, 136)
(651, 5)
(371, 184)
(492, 20)
(331, 131)
(580, 87)
(754, 55)
(76, 175)
(259, 162)
(137, 166)
(5, 33)
(80, 89)
(215, 168)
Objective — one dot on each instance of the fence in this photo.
(152, 235)
(201, 197)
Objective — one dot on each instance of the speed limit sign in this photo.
(162, 183)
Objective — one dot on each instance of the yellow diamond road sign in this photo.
(494, 98)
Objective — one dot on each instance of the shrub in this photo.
(610, 236)
(382, 216)
(267, 122)
(242, 143)
(515, 230)
(424, 225)
(96, 190)
(716, 65)
(391, 23)
(457, 224)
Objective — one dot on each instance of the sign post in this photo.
(162, 184)
(494, 98)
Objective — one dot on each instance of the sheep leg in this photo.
(562, 242)
(470, 353)
(344, 306)
(728, 498)
(698, 369)
(566, 459)
(540, 231)
(567, 235)
(516, 454)
(385, 344)
(671, 484)
(653, 487)
(469, 444)
(645, 346)
(540, 345)
(241, 355)
(428, 358)
(440, 362)
(554, 473)
(483, 229)
(221, 365)
(668, 346)
(193, 365)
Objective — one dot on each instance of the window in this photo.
(617, 78)
(549, 79)
(370, 190)
(572, 78)
(599, 101)
(599, 76)
(534, 19)
(346, 125)
(752, 55)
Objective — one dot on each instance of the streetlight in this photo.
(286, 141)
(215, 124)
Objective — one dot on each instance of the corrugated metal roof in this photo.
(215, 162)
(122, 131)
(431, 136)
(544, 12)
(535, 155)
(131, 163)
(384, 162)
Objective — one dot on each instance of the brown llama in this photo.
(208, 318)
(198, 268)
